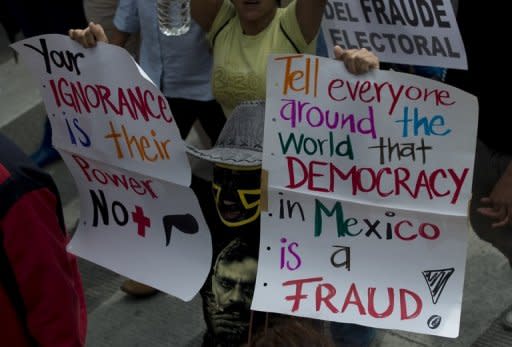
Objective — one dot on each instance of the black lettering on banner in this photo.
(66, 59)
(346, 262)
(99, 204)
(413, 13)
(186, 223)
(431, 46)
(340, 11)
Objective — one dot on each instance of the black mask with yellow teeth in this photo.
(236, 190)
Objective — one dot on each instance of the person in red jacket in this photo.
(41, 295)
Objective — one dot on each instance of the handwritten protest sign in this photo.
(101, 107)
(118, 137)
(368, 185)
(417, 32)
(155, 233)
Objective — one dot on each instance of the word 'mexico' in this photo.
(385, 181)
(135, 102)
(410, 303)
(402, 229)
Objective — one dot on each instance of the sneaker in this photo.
(137, 289)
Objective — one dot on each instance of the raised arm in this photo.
(309, 15)
(205, 11)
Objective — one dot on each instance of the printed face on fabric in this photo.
(232, 288)
(227, 295)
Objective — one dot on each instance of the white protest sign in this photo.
(367, 208)
(117, 135)
(419, 32)
(383, 138)
(100, 106)
(146, 229)
(341, 261)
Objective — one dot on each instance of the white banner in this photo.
(408, 32)
(100, 106)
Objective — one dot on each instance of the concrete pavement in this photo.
(117, 320)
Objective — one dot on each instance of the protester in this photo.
(41, 296)
(235, 228)
(491, 204)
(236, 189)
(243, 34)
(179, 65)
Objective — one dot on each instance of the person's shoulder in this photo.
(18, 175)
(290, 8)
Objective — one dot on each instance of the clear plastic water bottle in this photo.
(173, 16)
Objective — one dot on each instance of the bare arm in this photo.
(309, 16)
(119, 38)
(500, 201)
(204, 12)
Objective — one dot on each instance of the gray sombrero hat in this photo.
(240, 142)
